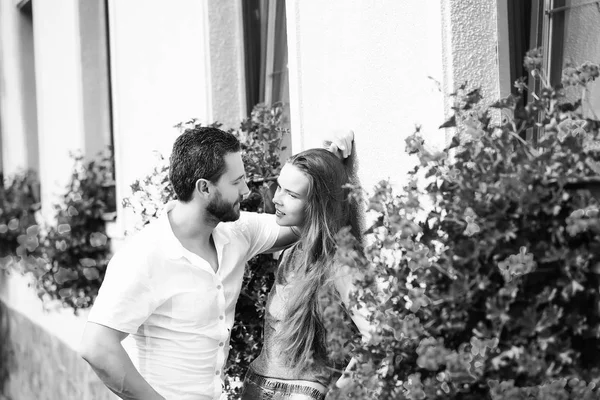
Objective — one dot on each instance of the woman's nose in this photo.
(276, 196)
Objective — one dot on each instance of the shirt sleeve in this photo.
(261, 232)
(126, 298)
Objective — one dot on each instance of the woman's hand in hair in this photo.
(341, 143)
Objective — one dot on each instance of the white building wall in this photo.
(471, 46)
(42, 101)
(378, 67)
(54, 96)
(160, 76)
(159, 67)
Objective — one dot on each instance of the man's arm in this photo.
(286, 237)
(101, 348)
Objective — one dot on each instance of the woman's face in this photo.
(291, 196)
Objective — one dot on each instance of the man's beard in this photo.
(223, 211)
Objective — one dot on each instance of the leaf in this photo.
(473, 97)
(455, 142)
(450, 123)
(508, 102)
(594, 165)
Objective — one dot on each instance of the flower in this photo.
(517, 265)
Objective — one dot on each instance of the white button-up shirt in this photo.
(178, 311)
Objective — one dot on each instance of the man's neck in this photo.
(191, 222)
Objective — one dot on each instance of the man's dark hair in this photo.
(199, 154)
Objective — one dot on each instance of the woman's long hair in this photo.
(329, 208)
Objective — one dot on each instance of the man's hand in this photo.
(101, 348)
(341, 143)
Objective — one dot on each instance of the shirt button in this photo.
(219, 287)
(221, 317)
(218, 373)
(221, 344)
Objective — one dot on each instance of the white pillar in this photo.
(160, 65)
(59, 93)
(18, 119)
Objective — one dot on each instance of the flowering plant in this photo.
(491, 290)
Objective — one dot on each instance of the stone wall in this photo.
(35, 361)
(41, 366)
(36, 364)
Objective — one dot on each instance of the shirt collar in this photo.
(173, 247)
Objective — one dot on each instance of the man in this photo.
(171, 290)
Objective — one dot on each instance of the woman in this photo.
(293, 363)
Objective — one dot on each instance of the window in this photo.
(266, 57)
(578, 42)
(265, 40)
(526, 25)
(566, 30)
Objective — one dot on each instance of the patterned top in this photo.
(271, 361)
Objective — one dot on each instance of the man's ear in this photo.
(203, 187)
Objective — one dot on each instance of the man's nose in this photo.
(245, 190)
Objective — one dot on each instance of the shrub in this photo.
(260, 135)
(19, 201)
(68, 255)
(491, 290)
